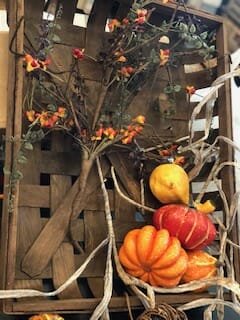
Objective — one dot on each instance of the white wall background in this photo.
(3, 67)
(236, 118)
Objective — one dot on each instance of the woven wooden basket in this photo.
(53, 167)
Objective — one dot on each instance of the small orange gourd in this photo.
(153, 256)
(201, 265)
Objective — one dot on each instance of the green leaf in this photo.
(35, 136)
(168, 89)
(22, 159)
(51, 25)
(57, 26)
(56, 38)
(51, 107)
(202, 52)
(40, 134)
(127, 117)
(13, 139)
(6, 171)
(189, 38)
(156, 60)
(50, 48)
(17, 175)
(153, 54)
(190, 44)
(183, 35)
(28, 146)
(192, 28)
(136, 6)
(164, 23)
(208, 56)
(198, 45)
(183, 27)
(211, 48)
(177, 88)
(204, 35)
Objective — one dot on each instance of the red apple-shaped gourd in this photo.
(193, 228)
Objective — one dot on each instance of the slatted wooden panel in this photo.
(2, 5)
(54, 166)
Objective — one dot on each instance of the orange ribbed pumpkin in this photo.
(153, 256)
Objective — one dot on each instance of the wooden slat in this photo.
(201, 79)
(117, 303)
(4, 39)
(63, 260)
(34, 196)
(28, 226)
(69, 10)
(131, 185)
(29, 222)
(2, 4)
(55, 230)
(123, 211)
(95, 232)
(96, 26)
(165, 12)
(9, 222)
(64, 163)
(225, 129)
(95, 268)
(38, 196)
(33, 11)
(63, 268)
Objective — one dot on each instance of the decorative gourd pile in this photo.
(171, 250)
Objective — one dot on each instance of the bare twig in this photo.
(125, 197)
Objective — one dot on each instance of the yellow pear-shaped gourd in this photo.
(169, 183)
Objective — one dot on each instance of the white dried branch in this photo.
(233, 210)
(219, 222)
(208, 301)
(237, 246)
(208, 312)
(106, 315)
(223, 78)
(221, 192)
(209, 101)
(122, 195)
(108, 279)
(210, 176)
(141, 296)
